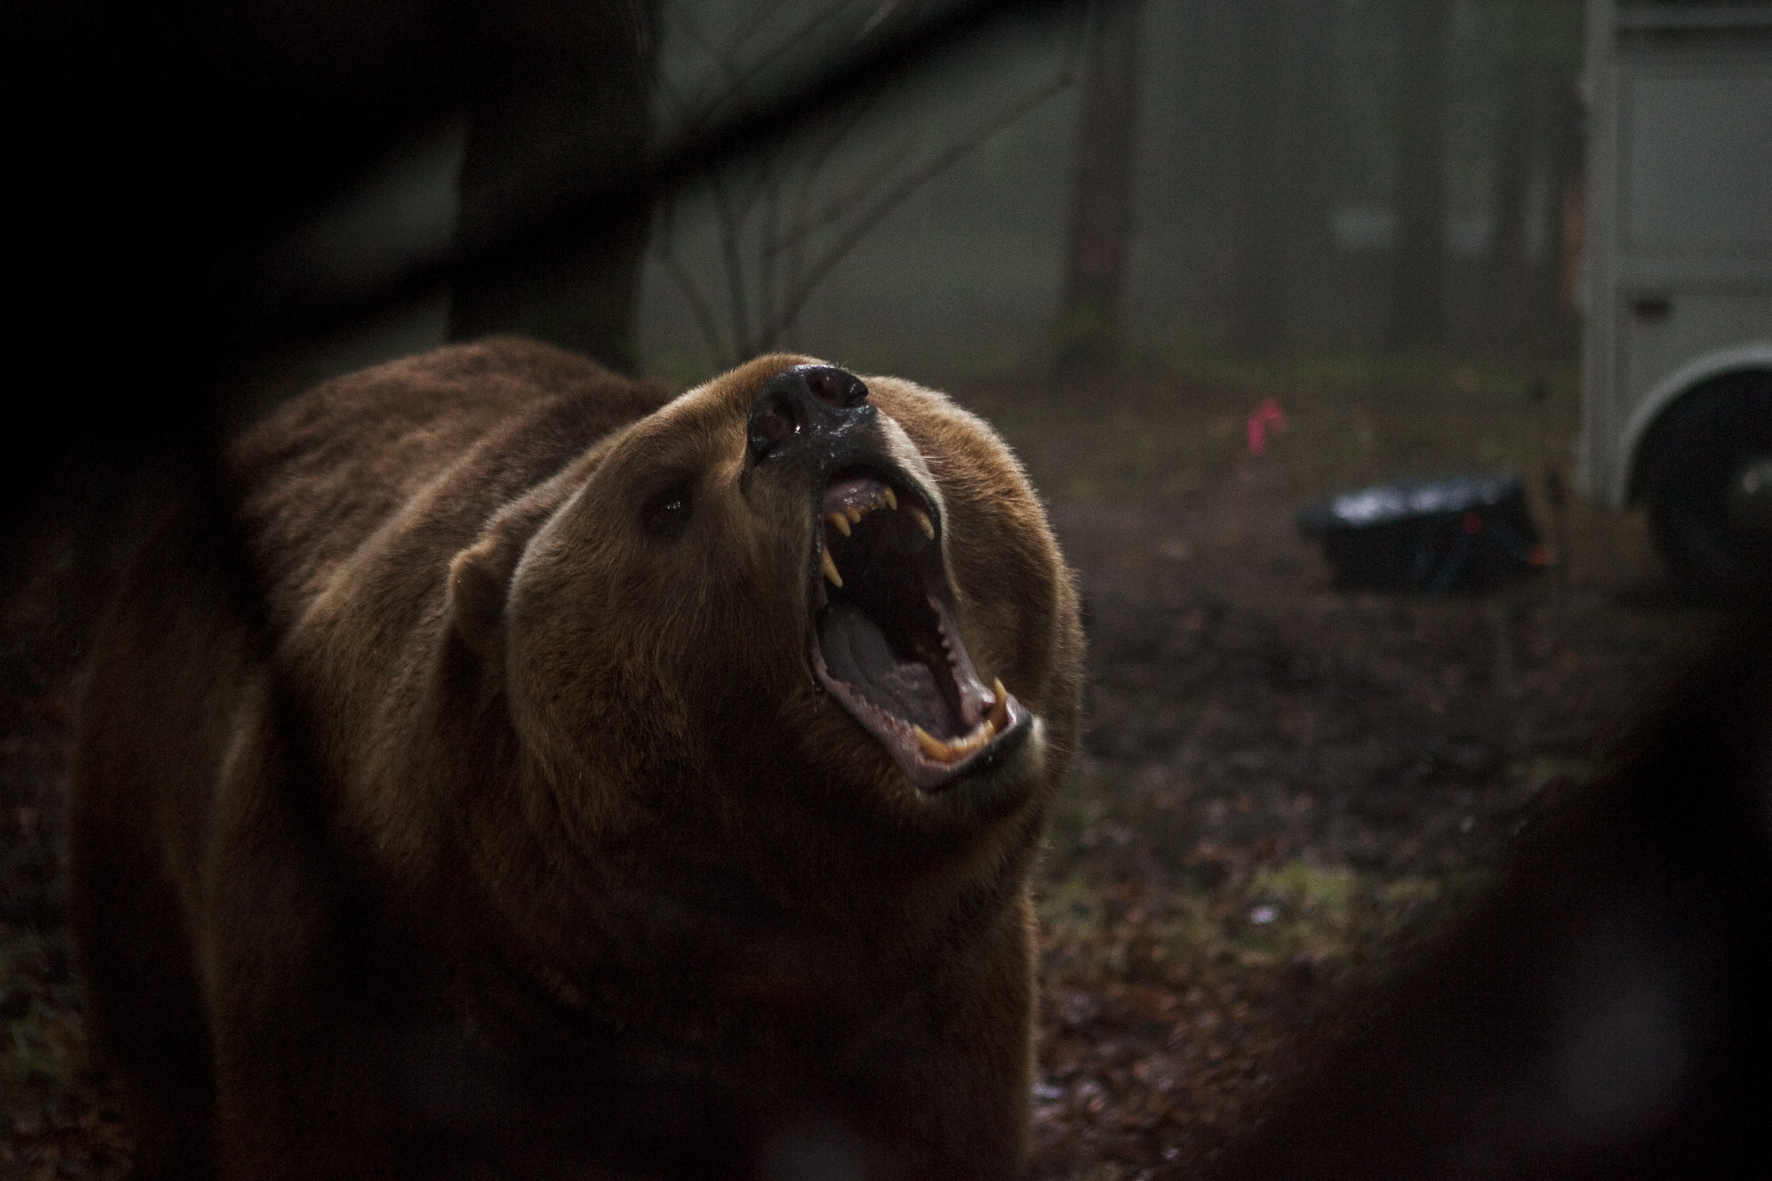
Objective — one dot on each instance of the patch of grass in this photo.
(1346, 926)
(1107, 913)
(1339, 916)
(678, 369)
(1203, 358)
(1351, 418)
(44, 1035)
(61, 1119)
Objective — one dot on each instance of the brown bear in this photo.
(581, 783)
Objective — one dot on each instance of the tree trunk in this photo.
(1259, 299)
(575, 108)
(1418, 306)
(1504, 288)
(1552, 298)
(1091, 328)
(1537, 152)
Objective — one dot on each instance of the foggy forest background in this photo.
(1154, 183)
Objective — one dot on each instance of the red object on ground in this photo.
(1268, 415)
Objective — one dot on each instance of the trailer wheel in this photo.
(1707, 476)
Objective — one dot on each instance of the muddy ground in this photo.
(1285, 786)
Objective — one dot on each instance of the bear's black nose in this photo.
(802, 406)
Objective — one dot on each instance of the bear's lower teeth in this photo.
(982, 734)
(959, 748)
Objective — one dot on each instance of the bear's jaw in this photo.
(886, 639)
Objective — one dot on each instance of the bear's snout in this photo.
(803, 406)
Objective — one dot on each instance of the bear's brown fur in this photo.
(541, 811)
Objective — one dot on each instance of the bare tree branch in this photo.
(557, 201)
(769, 216)
(687, 286)
(853, 194)
(908, 185)
(733, 261)
(838, 129)
(768, 254)
(739, 78)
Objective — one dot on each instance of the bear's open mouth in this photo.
(886, 639)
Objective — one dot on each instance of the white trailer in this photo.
(1677, 347)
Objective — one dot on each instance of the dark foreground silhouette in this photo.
(1604, 1013)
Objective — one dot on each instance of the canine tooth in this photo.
(922, 519)
(839, 522)
(854, 513)
(934, 747)
(890, 497)
(999, 718)
(830, 569)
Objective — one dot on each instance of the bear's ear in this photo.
(479, 579)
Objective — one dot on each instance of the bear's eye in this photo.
(666, 512)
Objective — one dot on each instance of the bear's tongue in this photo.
(857, 652)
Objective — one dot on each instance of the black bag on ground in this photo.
(1447, 533)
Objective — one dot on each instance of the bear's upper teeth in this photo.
(844, 516)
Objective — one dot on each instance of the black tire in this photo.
(1695, 455)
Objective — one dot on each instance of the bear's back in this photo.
(323, 473)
